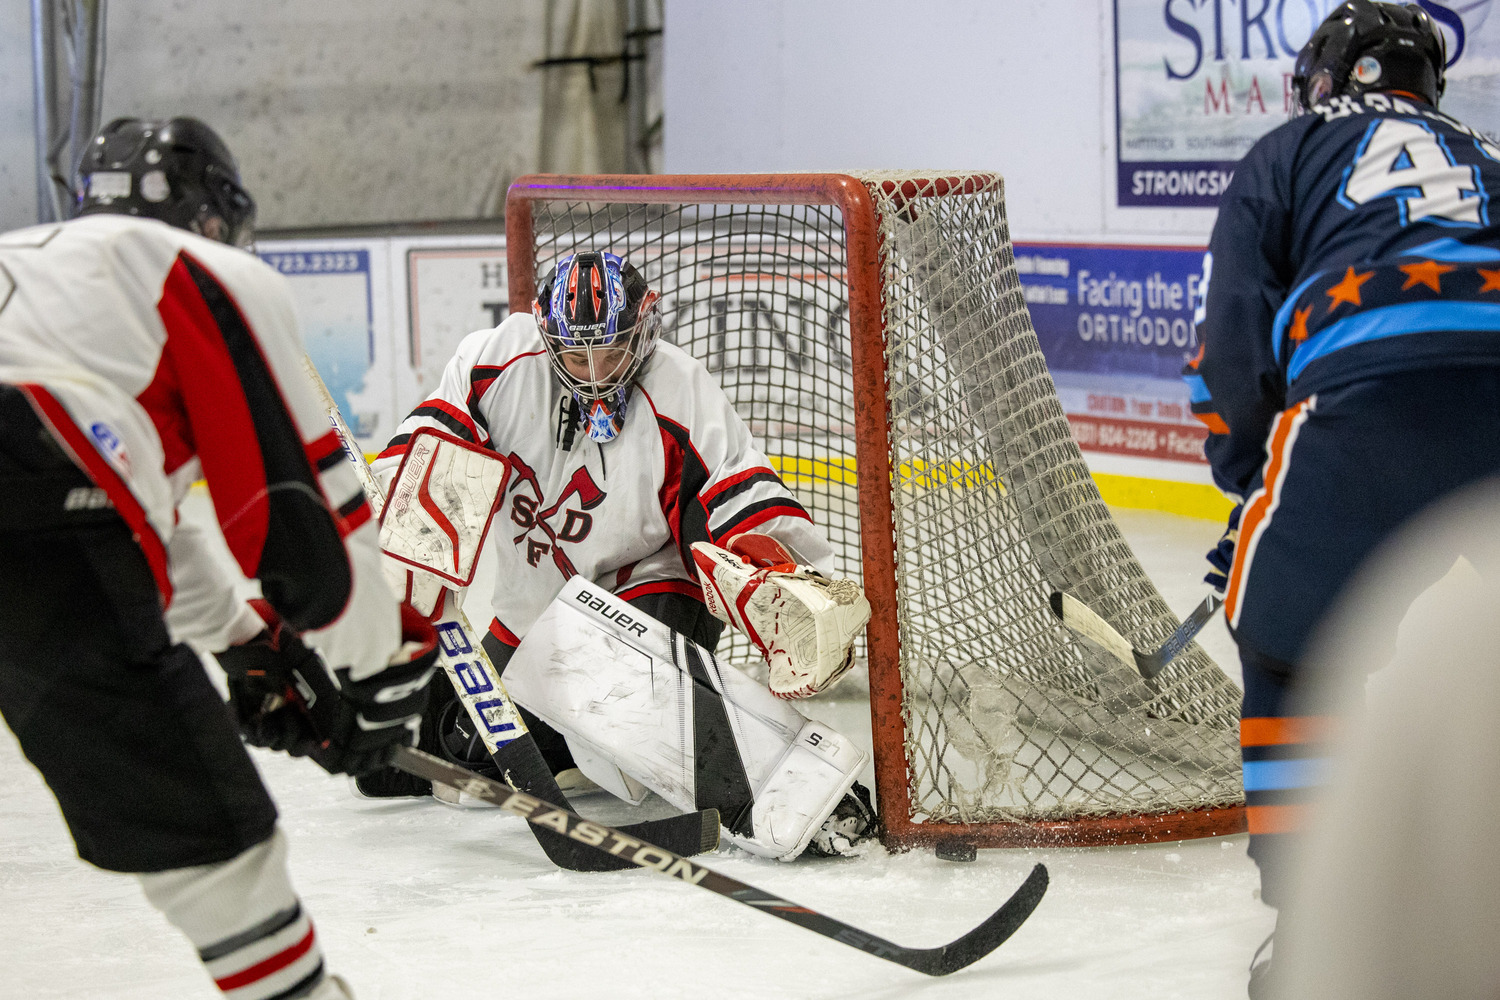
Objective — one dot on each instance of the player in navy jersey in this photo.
(1350, 362)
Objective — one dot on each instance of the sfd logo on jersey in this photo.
(527, 513)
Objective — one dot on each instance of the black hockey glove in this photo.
(286, 699)
(260, 673)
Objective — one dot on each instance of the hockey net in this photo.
(871, 330)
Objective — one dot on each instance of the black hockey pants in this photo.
(1365, 459)
(125, 727)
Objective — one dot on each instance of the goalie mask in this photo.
(599, 322)
(178, 171)
(1366, 46)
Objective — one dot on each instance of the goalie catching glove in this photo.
(804, 623)
(285, 698)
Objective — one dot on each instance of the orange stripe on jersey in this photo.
(1214, 422)
(1263, 503)
(1275, 819)
(1291, 731)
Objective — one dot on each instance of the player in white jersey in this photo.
(623, 454)
(140, 351)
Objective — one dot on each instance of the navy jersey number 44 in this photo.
(1355, 241)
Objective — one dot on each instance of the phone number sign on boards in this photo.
(1115, 324)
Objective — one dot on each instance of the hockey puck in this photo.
(956, 850)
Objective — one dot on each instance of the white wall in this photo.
(17, 129)
(340, 111)
(1024, 87)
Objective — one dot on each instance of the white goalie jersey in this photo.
(625, 514)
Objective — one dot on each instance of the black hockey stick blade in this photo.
(640, 853)
(522, 765)
(1086, 622)
(1151, 664)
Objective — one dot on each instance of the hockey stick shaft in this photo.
(1086, 622)
(476, 682)
(554, 818)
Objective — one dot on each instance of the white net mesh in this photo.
(1007, 717)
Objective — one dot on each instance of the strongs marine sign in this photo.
(1197, 82)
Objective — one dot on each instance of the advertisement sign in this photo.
(338, 294)
(1197, 82)
(382, 317)
(453, 286)
(1116, 326)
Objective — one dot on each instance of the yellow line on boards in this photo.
(1136, 492)
(1187, 499)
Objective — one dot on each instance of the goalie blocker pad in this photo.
(437, 514)
(640, 705)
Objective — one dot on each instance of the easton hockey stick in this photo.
(1086, 622)
(477, 684)
(615, 844)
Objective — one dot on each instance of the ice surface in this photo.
(414, 899)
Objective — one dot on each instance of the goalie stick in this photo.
(513, 749)
(939, 961)
(1086, 622)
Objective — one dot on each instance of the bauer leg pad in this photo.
(635, 696)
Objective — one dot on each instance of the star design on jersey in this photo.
(1348, 289)
(1298, 332)
(1426, 272)
(1491, 280)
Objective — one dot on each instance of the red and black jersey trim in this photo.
(57, 419)
(330, 459)
(683, 479)
(264, 483)
(467, 423)
(481, 377)
(682, 587)
(758, 513)
(735, 485)
(454, 420)
(396, 446)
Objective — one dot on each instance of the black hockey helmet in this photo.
(178, 171)
(598, 314)
(1365, 45)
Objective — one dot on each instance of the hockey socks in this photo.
(242, 915)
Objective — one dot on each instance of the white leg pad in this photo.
(801, 790)
(619, 686)
(598, 768)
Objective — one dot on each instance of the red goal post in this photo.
(914, 274)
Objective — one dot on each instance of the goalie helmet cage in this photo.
(871, 330)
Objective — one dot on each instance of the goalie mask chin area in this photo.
(603, 419)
